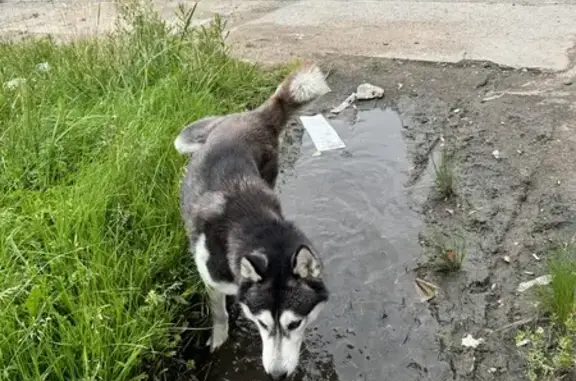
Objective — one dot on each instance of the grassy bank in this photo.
(550, 345)
(93, 262)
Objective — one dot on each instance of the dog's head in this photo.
(282, 297)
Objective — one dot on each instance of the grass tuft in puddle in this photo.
(94, 266)
(445, 175)
(550, 350)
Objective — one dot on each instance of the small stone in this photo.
(568, 82)
(523, 343)
(470, 342)
(506, 258)
(496, 154)
(367, 91)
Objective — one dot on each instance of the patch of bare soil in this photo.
(512, 202)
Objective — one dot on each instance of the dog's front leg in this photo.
(219, 319)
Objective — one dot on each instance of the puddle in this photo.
(354, 205)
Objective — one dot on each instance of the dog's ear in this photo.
(253, 266)
(305, 264)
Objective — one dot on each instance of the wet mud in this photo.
(373, 211)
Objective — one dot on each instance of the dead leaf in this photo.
(427, 290)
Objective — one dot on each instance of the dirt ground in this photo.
(515, 205)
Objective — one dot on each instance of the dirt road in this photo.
(372, 207)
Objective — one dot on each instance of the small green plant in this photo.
(559, 298)
(448, 253)
(444, 174)
(550, 351)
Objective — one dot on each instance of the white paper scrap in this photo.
(323, 135)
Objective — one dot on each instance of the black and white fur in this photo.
(242, 243)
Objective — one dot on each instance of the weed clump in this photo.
(445, 175)
(550, 350)
(448, 253)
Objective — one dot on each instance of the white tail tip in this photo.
(307, 84)
(186, 147)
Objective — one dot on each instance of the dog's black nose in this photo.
(278, 376)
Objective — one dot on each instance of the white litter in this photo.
(470, 342)
(496, 154)
(536, 257)
(347, 103)
(523, 343)
(540, 281)
(14, 83)
(43, 66)
(367, 91)
(324, 137)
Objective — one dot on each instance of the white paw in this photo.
(219, 336)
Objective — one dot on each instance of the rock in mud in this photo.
(367, 91)
(540, 281)
(469, 341)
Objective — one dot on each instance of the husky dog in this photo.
(242, 243)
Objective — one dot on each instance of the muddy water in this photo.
(355, 206)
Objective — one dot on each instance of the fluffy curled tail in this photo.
(301, 87)
(298, 89)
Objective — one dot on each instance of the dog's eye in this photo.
(263, 325)
(295, 324)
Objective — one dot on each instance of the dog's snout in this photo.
(280, 376)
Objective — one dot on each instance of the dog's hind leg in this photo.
(219, 319)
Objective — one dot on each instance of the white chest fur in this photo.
(201, 255)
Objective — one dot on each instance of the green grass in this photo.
(559, 298)
(444, 175)
(93, 258)
(551, 351)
